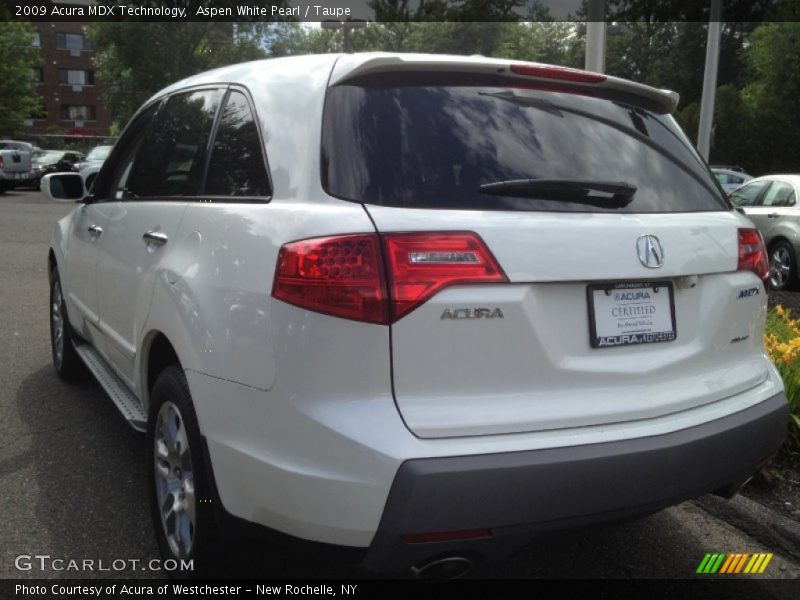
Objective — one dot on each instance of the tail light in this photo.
(421, 264)
(340, 276)
(1, 162)
(344, 276)
(753, 254)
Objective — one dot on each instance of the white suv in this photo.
(424, 306)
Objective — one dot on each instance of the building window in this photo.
(38, 74)
(75, 77)
(73, 41)
(74, 112)
(37, 40)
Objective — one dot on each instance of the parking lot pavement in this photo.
(72, 475)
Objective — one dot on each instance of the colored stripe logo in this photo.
(738, 562)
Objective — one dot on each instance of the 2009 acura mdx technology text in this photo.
(425, 306)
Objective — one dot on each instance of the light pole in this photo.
(345, 26)
(596, 36)
(709, 81)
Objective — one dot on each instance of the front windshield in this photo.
(45, 156)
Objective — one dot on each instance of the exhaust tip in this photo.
(450, 567)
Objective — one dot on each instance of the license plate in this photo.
(626, 313)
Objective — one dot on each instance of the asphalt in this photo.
(72, 473)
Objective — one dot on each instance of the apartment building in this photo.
(71, 96)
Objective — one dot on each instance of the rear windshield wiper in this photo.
(606, 194)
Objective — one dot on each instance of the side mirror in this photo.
(63, 186)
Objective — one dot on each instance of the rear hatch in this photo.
(15, 162)
(621, 298)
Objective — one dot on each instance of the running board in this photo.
(119, 392)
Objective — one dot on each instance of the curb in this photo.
(763, 524)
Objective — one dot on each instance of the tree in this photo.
(18, 97)
(135, 60)
(772, 98)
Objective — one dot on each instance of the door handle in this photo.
(773, 215)
(94, 230)
(155, 238)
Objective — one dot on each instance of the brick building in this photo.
(72, 98)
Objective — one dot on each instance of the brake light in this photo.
(340, 276)
(558, 73)
(1, 162)
(421, 264)
(344, 275)
(753, 254)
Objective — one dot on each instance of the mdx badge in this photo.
(472, 313)
(651, 254)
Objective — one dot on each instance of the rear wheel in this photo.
(783, 267)
(180, 494)
(66, 361)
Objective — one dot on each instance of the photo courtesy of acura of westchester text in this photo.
(327, 294)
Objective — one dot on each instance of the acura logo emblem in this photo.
(651, 254)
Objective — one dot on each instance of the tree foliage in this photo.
(18, 97)
(135, 60)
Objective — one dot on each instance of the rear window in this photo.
(434, 146)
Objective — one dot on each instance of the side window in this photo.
(747, 195)
(171, 159)
(111, 180)
(779, 194)
(237, 166)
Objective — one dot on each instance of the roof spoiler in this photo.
(355, 66)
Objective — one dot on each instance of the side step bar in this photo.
(119, 392)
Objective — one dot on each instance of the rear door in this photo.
(749, 199)
(619, 306)
(154, 180)
(778, 206)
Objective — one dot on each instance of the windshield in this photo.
(45, 156)
(434, 146)
(99, 153)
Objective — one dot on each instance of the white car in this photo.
(425, 307)
(90, 166)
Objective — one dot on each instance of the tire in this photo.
(782, 267)
(67, 363)
(179, 488)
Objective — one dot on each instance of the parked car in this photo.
(18, 145)
(423, 307)
(730, 178)
(771, 203)
(15, 168)
(53, 161)
(90, 166)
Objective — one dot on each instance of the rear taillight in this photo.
(558, 73)
(1, 162)
(421, 264)
(340, 276)
(344, 275)
(753, 254)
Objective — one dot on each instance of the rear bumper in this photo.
(517, 495)
(17, 178)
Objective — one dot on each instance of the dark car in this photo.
(53, 161)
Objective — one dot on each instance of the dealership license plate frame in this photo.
(642, 337)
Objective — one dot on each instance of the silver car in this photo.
(730, 178)
(771, 203)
